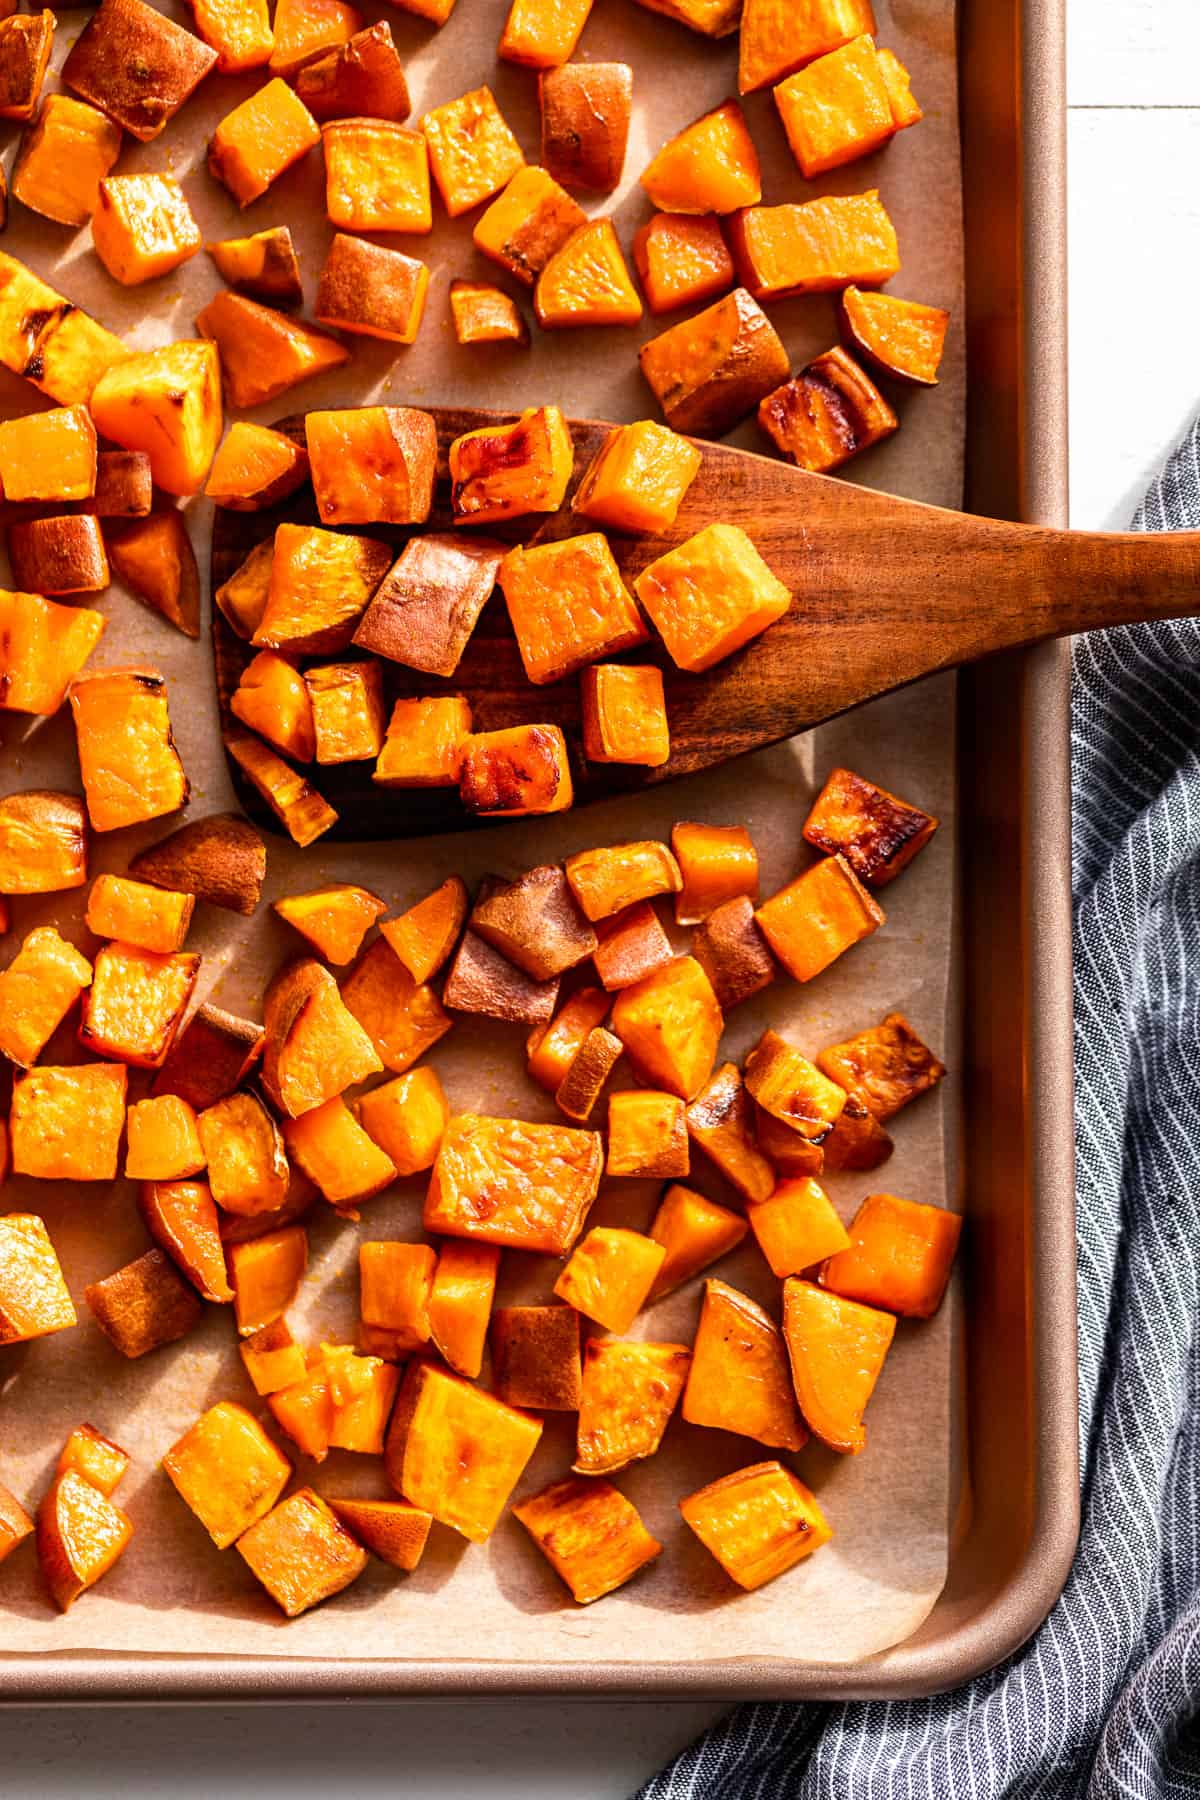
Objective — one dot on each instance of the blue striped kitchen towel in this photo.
(1105, 1699)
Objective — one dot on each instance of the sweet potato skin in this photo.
(144, 1306)
(709, 371)
(136, 65)
(585, 109)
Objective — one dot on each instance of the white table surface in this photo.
(1135, 377)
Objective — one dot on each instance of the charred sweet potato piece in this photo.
(49, 457)
(836, 1348)
(482, 981)
(424, 936)
(590, 1534)
(632, 945)
(721, 1123)
(220, 859)
(376, 176)
(425, 609)
(302, 1553)
(162, 1142)
(568, 605)
(144, 1305)
(607, 880)
(637, 478)
(43, 842)
(506, 1182)
(372, 463)
(694, 1232)
(243, 598)
(37, 991)
(884, 1067)
(66, 1124)
(273, 1360)
(505, 471)
(711, 166)
(320, 583)
(424, 742)
(258, 140)
(43, 647)
(401, 1018)
(81, 1533)
(534, 922)
(272, 697)
(181, 1217)
(395, 1282)
(717, 862)
(227, 1470)
(460, 1303)
(265, 266)
(472, 152)
(739, 1379)
(483, 314)
(758, 1523)
(858, 1141)
(523, 769)
(779, 36)
(371, 291)
(682, 259)
(733, 953)
(136, 1003)
(306, 28)
(168, 403)
(333, 1150)
(796, 1226)
(587, 282)
(826, 414)
(244, 1150)
(255, 467)
(15, 1523)
(707, 372)
(711, 595)
(155, 559)
(210, 1057)
(143, 227)
(792, 1089)
(347, 711)
(26, 40)
(136, 65)
(711, 18)
(535, 1357)
(334, 920)
(33, 1295)
(789, 1154)
(58, 556)
(815, 247)
(264, 352)
(541, 37)
(50, 341)
(265, 1273)
(585, 110)
(584, 1081)
(900, 338)
(295, 802)
(877, 833)
(464, 1453)
(238, 30)
(528, 223)
(551, 1049)
(64, 156)
(899, 1257)
(629, 1393)
(647, 1135)
(390, 1529)
(609, 1276)
(315, 1045)
(839, 107)
(360, 79)
(124, 486)
(818, 917)
(671, 1025)
(94, 1457)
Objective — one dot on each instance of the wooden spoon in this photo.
(886, 590)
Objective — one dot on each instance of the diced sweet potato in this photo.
(362, 1390)
(58, 556)
(796, 1227)
(526, 224)
(49, 457)
(43, 647)
(376, 176)
(302, 1553)
(590, 1534)
(826, 414)
(758, 1523)
(709, 371)
(609, 1276)
(717, 862)
(858, 1141)
(818, 916)
(34, 1300)
(373, 292)
(136, 1003)
(395, 1284)
(424, 742)
(162, 1142)
(733, 953)
(227, 1470)
(836, 1348)
(695, 1232)
(155, 559)
(839, 107)
(815, 247)
(347, 711)
(534, 922)
(265, 266)
(647, 1135)
(294, 801)
(306, 28)
(220, 859)
(789, 1154)
(320, 583)
(711, 18)
(301, 1197)
(711, 166)
(900, 338)
(273, 1360)
(568, 605)
(681, 260)
(37, 991)
(632, 945)
(315, 1046)
(66, 1124)
(483, 981)
(136, 65)
(401, 1018)
(80, 1535)
(792, 1089)
(243, 598)
(49, 340)
(43, 842)
(506, 1182)
(587, 282)
(372, 463)
(584, 1081)
(609, 879)
(210, 1057)
(245, 1153)
(504, 471)
(460, 1303)
(472, 152)
(720, 1121)
(884, 1067)
(255, 467)
(899, 1257)
(258, 140)
(143, 227)
(64, 156)
(15, 1523)
(464, 1453)
(629, 1393)
(426, 608)
(710, 595)
(739, 1379)
(265, 1273)
(551, 1049)
(305, 1409)
(779, 36)
(424, 936)
(272, 697)
(523, 769)
(334, 920)
(124, 485)
(360, 79)
(637, 478)
(877, 833)
(585, 110)
(182, 1219)
(390, 1529)
(238, 30)
(166, 402)
(535, 1357)
(541, 37)
(144, 1306)
(26, 40)
(671, 1025)
(94, 1457)
(484, 314)
(333, 1150)
(264, 352)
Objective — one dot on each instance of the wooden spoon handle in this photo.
(1085, 580)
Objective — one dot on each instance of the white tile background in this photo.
(1135, 373)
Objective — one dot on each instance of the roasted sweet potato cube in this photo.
(522, 769)
(818, 916)
(711, 166)
(647, 1135)
(583, 1083)
(718, 863)
(758, 1523)
(258, 140)
(401, 1018)
(710, 595)
(304, 812)
(390, 1529)
(211, 1056)
(362, 1390)
(789, 1154)
(424, 936)
(534, 922)
(255, 467)
(682, 260)
(58, 556)
(535, 1357)
(136, 65)
(347, 711)
(481, 980)
(306, 28)
(632, 945)
(506, 1182)
(334, 920)
(709, 371)
(899, 1257)
(80, 1535)
(154, 558)
(360, 79)
(162, 1142)
(838, 108)
(625, 715)
(426, 608)
(151, 918)
(796, 1226)
(671, 1025)
(568, 605)
(877, 833)
(504, 471)
(590, 1534)
(302, 1553)
(227, 1470)
(371, 291)
(273, 1360)
(836, 1348)
(144, 1305)
(542, 37)
(778, 36)
(181, 1217)
(320, 583)
(264, 352)
(66, 1124)
(26, 40)
(43, 647)
(305, 1409)
(376, 176)
(464, 1453)
(243, 598)
(265, 1273)
(721, 1122)
(711, 18)
(609, 1276)
(424, 742)
(472, 152)
(460, 1303)
(815, 247)
(629, 1393)
(124, 485)
(739, 1379)
(826, 414)
(607, 880)
(166, 402)
(585, 110)
(136, 1003)
(244, 1150)
(15, 1523)
(49, 457)
(372, 463)
(95, 1457)
(143, 227)
(733, 952)
(272, 697)
(900, 338)
(301, 1197)
(238, 30)
(33, 1295)
(315, 1046)
(551, 1049)
(37, 991)
(333, 1150)
(265, 266)
(587, 282)
(858, 1141)
(884, 1067)
(694, 1232)
(792, 1089)
(638, 477)
(526, 224)
(395, 1284)
(64, 156)
(49, 340)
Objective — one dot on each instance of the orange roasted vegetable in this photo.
(739, 1379)
(227, 1470)
(671, 1025)
(334, 920)
(425, 609)
(584, 1081)
(244, 1149)
(647, 1135)
(347, 710)
(395, 1282)
(836, 1348)
(264, 1274)
(80, 1535)
(568, 605)
(816, 246)
(625, 715)
(585, 110)
(472, 152)
(15, 1523)
(504, 471)
(58, 556)
(166, 402)
(49, 340)
(154, 558)
(711, 18)
(839, 107)
(49, 457)
(136, 1003)
(390, 1529)
(424, 742)
(826, 414)
(758, 1523)
(272, 697)
(464, 1451)
(682, 259)
(258, 140)
(460, 1302)
(43, 842)
(552, 1048)
(242, 599)
(710, 595)
(26, 41)
(877, 833)
(402, 1018)
(818, 917)
(590, 1534)
(709, 371)
(535, 1357)
(181, 1217)
(502, 1181)
(263, 352)
(320, 583)
(332, 1149)
(95, 1457)
(137, 65)
(534, 922)
(273, 1360)
(362, 1390)
(637, 478)
(376, 176)
(124, 485)
(211, 1057)
(632, 945)
(304, 812)
(523, 769)
(424, 936)
(695, 1232)
(711, 166)
(372, 463)
(541, 37)
(265, 265)
(373, 292)
(143, 227)
(481, 980)
(43, 647)
(607, 880)
(527, 223)
(34, 1300)
(858, 1141)
(360, 79)
(144, 1306)
(66, 1124)
(302, 1553)
(717, 862)
(899, 1257)
(484, 314)
(306, 28)
(609, 1276)
(720, 1121)
(629, 1393)
(884, 1067)
(220, 859)
(733, 953)
(900, 338)
(64, 155)
(255, 467)
(790, 1088)
(315, 1047)
(778, 36)
(587, 282)
(162, 1142)
(796, 1227)
(238, 30)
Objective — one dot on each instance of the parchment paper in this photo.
(891, 1507)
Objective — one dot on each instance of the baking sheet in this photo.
(173, 1593)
